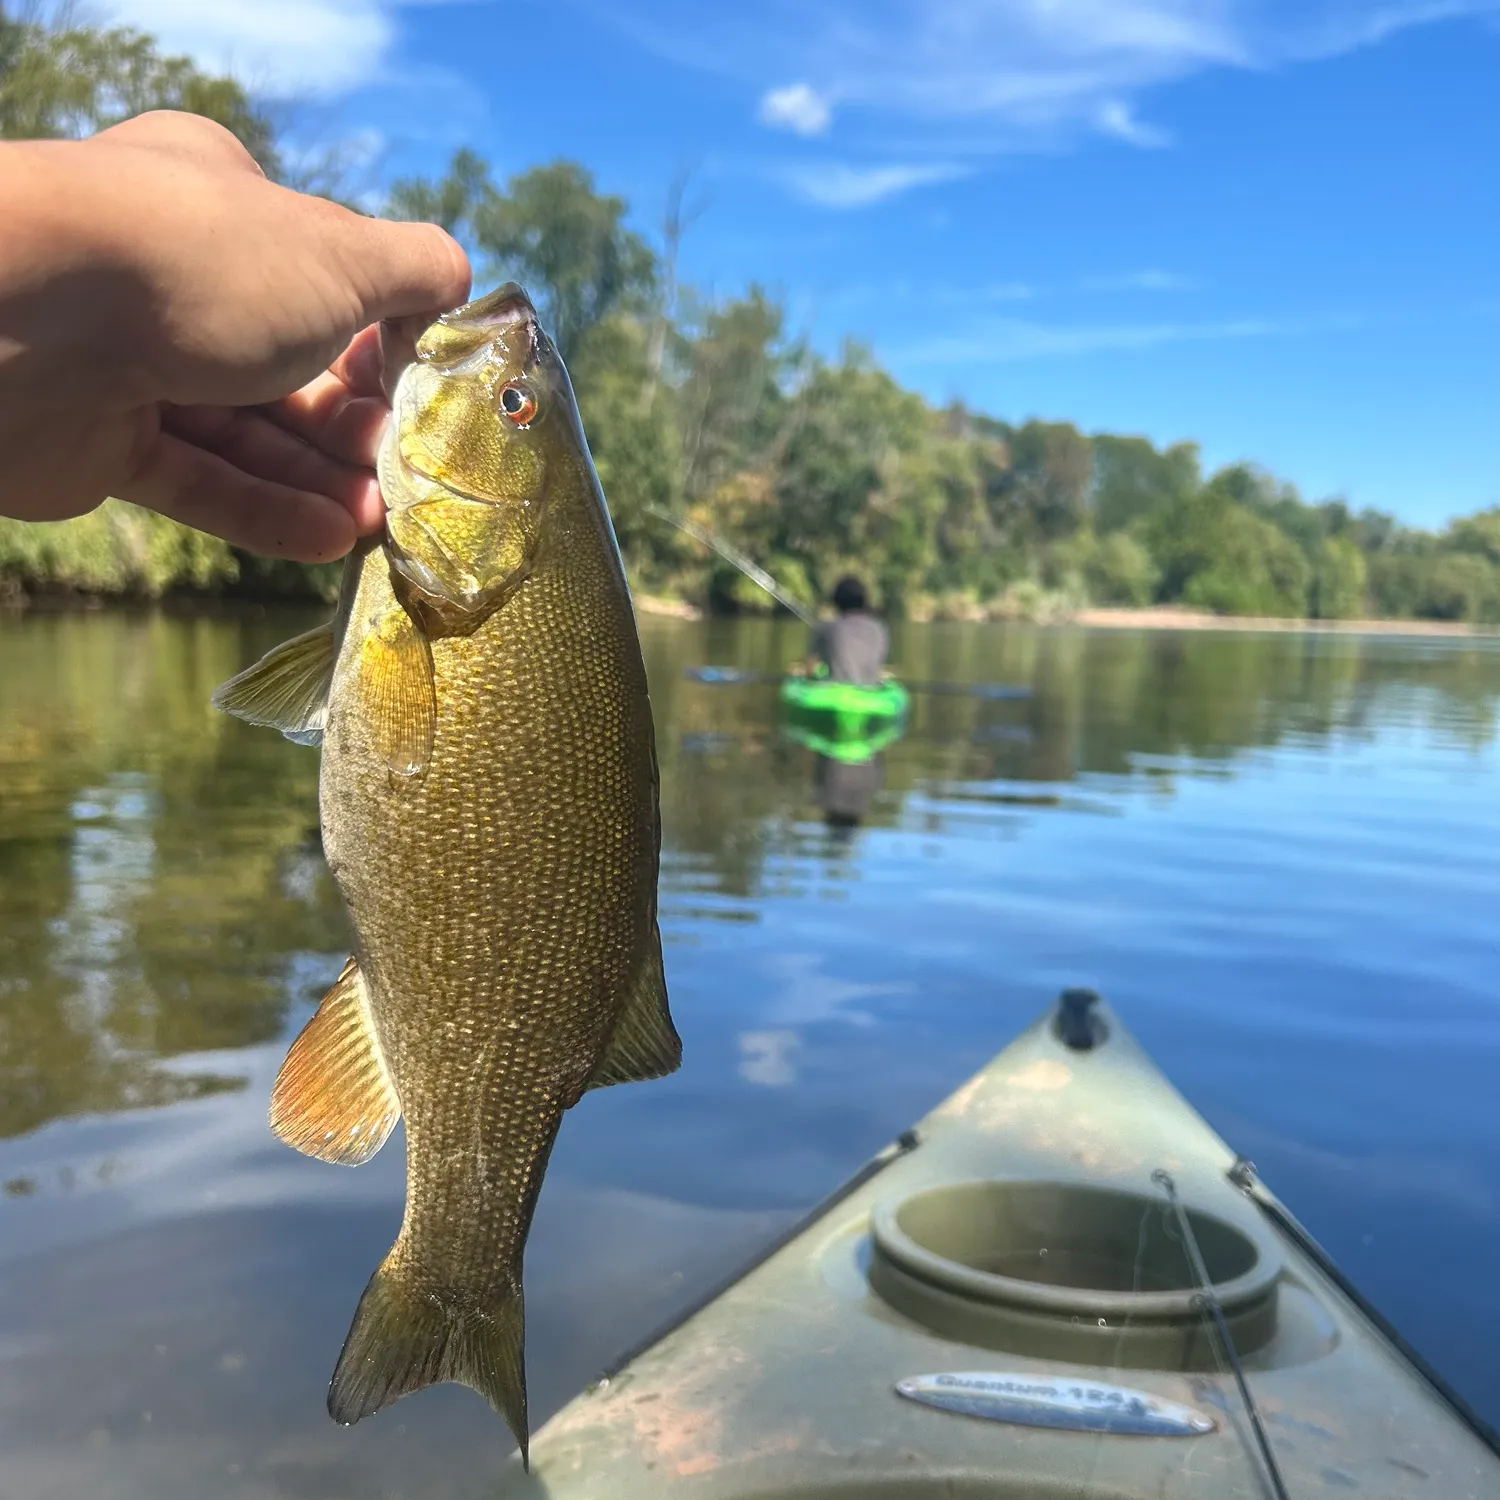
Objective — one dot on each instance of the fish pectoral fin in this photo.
(397, 692)
(333, 1097)
(406, 1336)
(645, 1043)
(287, 689)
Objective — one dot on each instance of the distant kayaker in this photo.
(852, 645)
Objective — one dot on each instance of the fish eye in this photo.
(518, 405)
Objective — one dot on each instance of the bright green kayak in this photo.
(822, 695)
(1060, 1285)
(843, 720)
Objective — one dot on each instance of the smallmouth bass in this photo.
(488, 798)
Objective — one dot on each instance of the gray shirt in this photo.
(853, 646)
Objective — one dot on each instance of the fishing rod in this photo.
(736, 558)
(991, 690)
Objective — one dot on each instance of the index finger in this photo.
(342, 411)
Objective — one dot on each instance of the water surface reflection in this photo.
(1275, 853)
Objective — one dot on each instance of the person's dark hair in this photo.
(848, 594)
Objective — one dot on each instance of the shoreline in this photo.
(1168, 617)
(1154, 617)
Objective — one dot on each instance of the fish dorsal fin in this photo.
(397, 692)
(645, 1043)
(287, 689)
(333, 1097)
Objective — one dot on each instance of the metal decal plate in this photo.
(1041, 1401)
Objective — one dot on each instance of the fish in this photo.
(488, 799)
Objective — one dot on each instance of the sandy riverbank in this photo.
(1166, 617)
(649, 604)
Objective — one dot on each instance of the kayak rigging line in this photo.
(1163, 1179)
(736, 558)
(1244, 1176)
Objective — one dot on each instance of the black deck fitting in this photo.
(1078, 1026)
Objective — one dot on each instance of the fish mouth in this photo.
(507, 304)
(505, 307)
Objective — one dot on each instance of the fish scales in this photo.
(552, 798)
(489, 806)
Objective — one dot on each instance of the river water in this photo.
(1277, 855)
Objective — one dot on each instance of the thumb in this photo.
(405, 268)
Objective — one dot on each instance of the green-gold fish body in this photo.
(489, 806)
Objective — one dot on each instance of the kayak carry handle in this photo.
(1078, 1025)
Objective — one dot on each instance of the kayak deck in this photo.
(1004, 1303)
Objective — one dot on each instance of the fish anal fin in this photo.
(645, 1043)
(333, 1097)
(287, 689)
(406, 1336)
(397, 692)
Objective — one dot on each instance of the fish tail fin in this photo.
(404, 1338)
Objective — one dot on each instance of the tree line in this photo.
(713, 409)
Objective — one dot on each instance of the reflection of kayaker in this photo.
(852, 646)
(845, 789)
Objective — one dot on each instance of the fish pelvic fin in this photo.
(287, 689)
(406, 1336)
(645, 1043)
(334, 1098)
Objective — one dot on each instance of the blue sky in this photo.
(1271, 226)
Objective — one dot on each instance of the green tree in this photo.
(1340, 580)
(450, 201)
(840, 466)
(1458, 586)
(1218, 555)
(1132, 478)
(1118, 569)
(1478, 535)
(633, 443)
(568, 245)
(61, 80)
(1049, 479)
(729, 399)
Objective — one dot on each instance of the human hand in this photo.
(180, 332)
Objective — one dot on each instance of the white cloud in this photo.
(797, 108)
(1118, 119)
(1137, 281)
(839, 185)
(1006, 340)
(1008, 291)
(769, 1057)
(279, 48)
(1012, 73)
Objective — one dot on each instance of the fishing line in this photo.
(734, 556)
(758, 575)
(1163, 1179)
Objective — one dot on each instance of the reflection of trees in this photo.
(146, 845)
(160, 894)
(1123, 704)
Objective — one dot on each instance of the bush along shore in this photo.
(708, 408)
